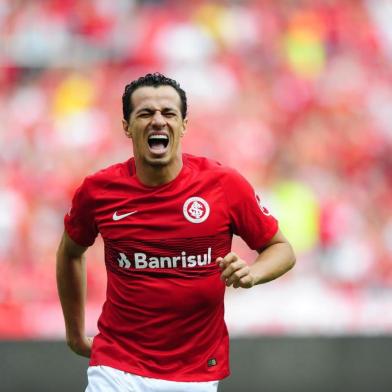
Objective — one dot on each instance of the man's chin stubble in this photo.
(157, 163)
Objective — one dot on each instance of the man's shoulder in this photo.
(227, 177)
(207, 165)
(212, 169)
(108, 174)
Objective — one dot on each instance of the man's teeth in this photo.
(158, 137)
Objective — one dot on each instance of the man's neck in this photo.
(158, 175)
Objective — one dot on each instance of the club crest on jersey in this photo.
(262, 208)
(196, 210)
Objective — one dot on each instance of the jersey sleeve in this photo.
(249, 218)
(79, 222)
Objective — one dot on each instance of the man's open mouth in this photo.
(158, 143)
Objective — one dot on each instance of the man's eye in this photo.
(170, 114)
(144, 115)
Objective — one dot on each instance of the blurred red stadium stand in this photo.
(296, 95)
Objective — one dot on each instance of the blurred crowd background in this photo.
(294, 94)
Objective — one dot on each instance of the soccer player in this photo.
(167, 221)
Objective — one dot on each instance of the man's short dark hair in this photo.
(155, 80)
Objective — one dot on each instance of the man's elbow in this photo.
(291, 259)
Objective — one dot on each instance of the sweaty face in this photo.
(156, 125)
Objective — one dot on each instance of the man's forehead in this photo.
(149, 95)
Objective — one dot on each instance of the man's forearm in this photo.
(272, 262)
(71, 284)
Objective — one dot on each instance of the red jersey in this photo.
(164, 310)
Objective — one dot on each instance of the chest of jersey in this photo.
(188, 209)
(182, 226)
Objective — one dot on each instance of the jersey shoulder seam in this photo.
(222, 187)
(98, 181)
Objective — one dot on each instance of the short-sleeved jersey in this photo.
(164, 310)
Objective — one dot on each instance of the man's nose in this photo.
(158, 120)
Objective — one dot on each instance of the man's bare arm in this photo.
(275, 259)
(71, 285)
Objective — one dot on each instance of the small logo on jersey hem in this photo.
(117, 217)
(212, 362)
(196, 210)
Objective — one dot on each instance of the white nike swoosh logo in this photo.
(118, 217)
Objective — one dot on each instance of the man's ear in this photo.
(184, 125)
(127, 131)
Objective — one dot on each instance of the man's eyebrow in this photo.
(145, 109)
(170, 108)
